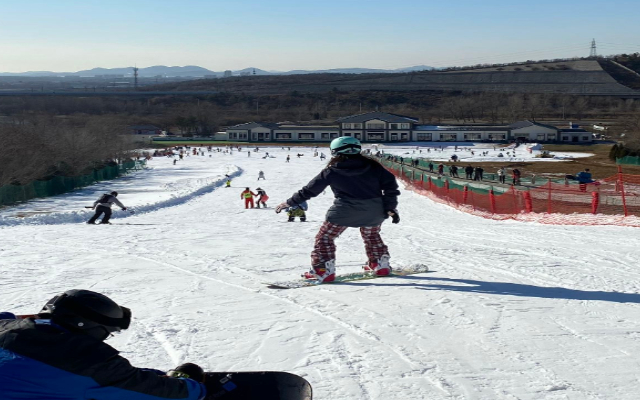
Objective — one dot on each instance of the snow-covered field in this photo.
(510, 310)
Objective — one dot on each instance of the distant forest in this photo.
(205, 115)
(68, 135)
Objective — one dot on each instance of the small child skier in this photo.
(263, 197)
(298, 211)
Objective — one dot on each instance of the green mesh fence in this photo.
(12, 194)
(628, 160)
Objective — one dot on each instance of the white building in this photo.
(384, 127)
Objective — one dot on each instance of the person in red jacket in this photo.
(247, 195)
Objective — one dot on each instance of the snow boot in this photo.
(380, 268)
(322, 274)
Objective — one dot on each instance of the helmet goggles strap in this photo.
(345, 147)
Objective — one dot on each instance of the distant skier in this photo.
(288, 158)
(60, 353)
(261, 175)
(247, 195)
(262, 199)
(502, 174)
(103, 206)
(365, 195)
(299, 210)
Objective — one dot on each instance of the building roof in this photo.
(480, 128)
(377, 115)
(573, 130)
(527, 123)
(251, 125)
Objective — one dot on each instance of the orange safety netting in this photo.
(611, 201)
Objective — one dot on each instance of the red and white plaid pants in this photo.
(324, 248)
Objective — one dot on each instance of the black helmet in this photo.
(87, 312)
(114, 194)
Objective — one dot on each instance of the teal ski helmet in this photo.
(345, 145)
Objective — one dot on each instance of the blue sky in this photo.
(69, 35)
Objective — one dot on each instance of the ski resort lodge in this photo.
(384, 127)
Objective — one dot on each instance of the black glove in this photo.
(395, 217)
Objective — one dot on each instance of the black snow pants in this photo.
(99, 211)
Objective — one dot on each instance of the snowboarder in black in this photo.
(103, 206)
(60, 353)
(365, 195)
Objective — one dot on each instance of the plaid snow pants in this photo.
(324, 248)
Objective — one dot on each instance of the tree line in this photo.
(45, 136)
(40, 147)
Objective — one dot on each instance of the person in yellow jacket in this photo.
(247, 195)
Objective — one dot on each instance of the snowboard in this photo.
(259, 385)
(355, 276)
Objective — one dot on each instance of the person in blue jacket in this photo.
(365, 195)
(60, 354)
(584, 176)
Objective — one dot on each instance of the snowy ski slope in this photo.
(511, 310)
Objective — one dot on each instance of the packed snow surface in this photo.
(511, 310)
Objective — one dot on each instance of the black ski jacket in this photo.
(364, 190)
(39, 360)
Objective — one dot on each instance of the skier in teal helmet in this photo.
(365, 195)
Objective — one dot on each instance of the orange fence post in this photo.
(430, 184)
(528, 202)
(514, 199)
(446, 186)
(549, 197)
(624, 199)
(595, 201)
(465, 194)
(492, 200)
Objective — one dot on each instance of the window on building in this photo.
(404, 137)
(325, 135)
(375, 125)
(335, 135)
(358, 136)
(405, 126)
(357, 126)
(540, 136)
(585, 138)
(283, 136)
(424, 137)
(394, 126)
(565, 138)
(375, 136)
(307, 136)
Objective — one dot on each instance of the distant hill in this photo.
(581, 77)
(195, 71)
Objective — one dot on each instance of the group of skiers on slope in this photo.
(59, 353)
(365, 195)
(248, 196)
